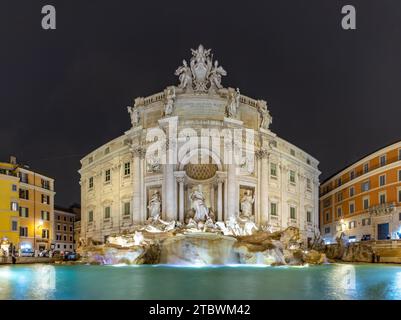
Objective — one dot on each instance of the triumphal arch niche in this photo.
(199, 151)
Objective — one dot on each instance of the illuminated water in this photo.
(337, 281)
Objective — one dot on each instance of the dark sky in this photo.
(334, 93)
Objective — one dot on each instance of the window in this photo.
(292, 213)
(327, 216)
(399, 154)
(366, 167)
(292, 152)
(58, 246)
(65, 227)
(273, 209)
(308, 184)
(308, 216)
(365, 186)
(14, 206)
(45, 234)
(366, 203)
(23, 177)
(70, 238)
(71, 219)
(327, 230)
(399, 175)
(23, 212)
(383, 160)
(70, 246)
(70, 228)
(352, 224)
(90, 184)
(399, 216)
(382, 180)
(58, 217)
(366, 222)
(382, 198)
(45, 184)
(65, 218)
(351, 207)
(58, 226)
(14, 187)
(127, 169)
(90, 216)
(273, 170)
(107, 213)
(45, 199)
(65, 238)
(399, 195)
(23, 231)
(14, 225)
(339, 196)
(338, 182)
(351, 191)
(107, 175)
(127, 208)
(339, 212)
(292, 176)
(45, 215)
(352, 175)
(24, 194)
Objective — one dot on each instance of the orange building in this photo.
(363, 201)
(36, 208)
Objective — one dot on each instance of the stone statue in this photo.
(201, 74)
(138, 238)
(233, 103)
(154, 206)
(185, 75)
(215, 75)
(170, 96)
(264, 113)
(134, 114)
(247, 203)
(198, 203)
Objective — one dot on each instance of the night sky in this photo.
(334, 93)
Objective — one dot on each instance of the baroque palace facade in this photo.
(363, 201)
(274, 183)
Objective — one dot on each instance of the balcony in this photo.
(382, 209)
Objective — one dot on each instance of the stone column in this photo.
(169, 192)
(231, 191)
(220, 200)
(180, 177)
(138, 153)
(264, 176)
(212, 197)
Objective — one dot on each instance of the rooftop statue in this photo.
(201, 75)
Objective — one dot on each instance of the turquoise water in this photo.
(335, 281)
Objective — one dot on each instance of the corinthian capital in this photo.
(138, 151)
(261, 153)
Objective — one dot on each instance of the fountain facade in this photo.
(199, 158)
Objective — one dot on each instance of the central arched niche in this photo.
(201, 171)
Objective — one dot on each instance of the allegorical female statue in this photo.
(233, 103)
(198, 203)
(264, 113)
(170, 96)
(134, 114)
(154, 205)
(185, 75)
(215, 75)
(246, 204)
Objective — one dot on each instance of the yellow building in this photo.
(9, 183)
(27, 207)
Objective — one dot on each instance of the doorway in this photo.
(382, 231)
